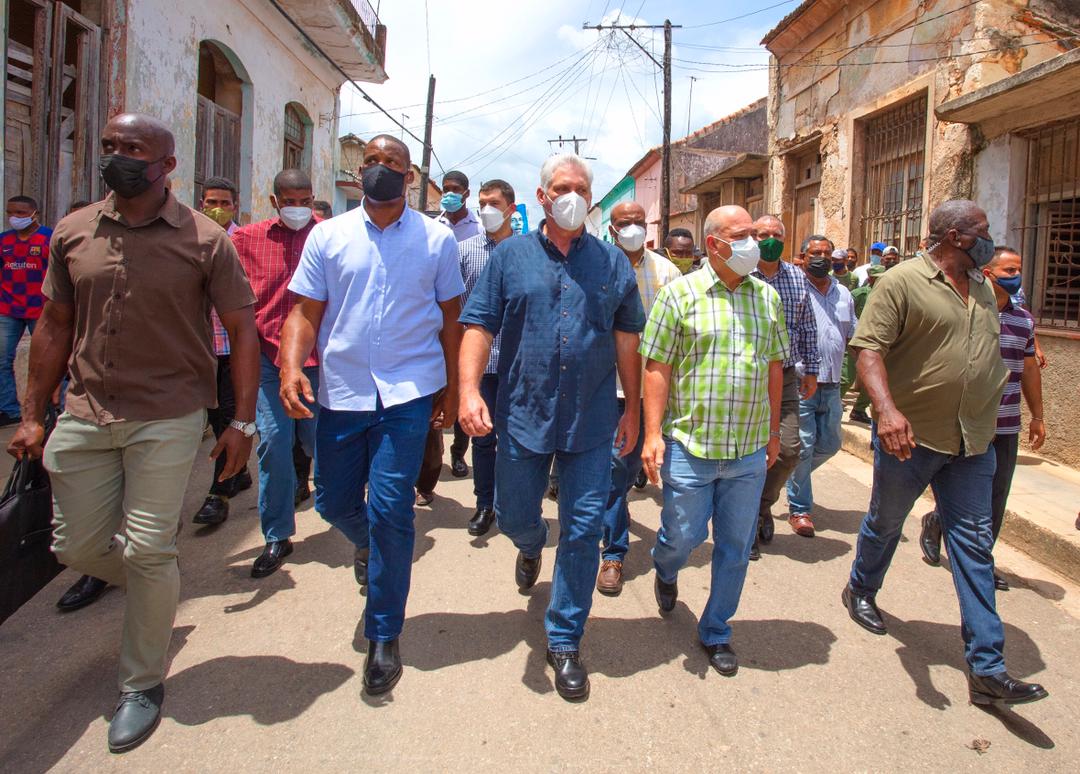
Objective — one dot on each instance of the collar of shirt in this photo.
(168, 212)
(930, 269)
(470, 217)
(706, 277)
(550, 246)
(367, 217)
(833, 284)
(232, 227)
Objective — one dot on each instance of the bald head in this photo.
(141, 137)
(151, 131)
(960, 215)
(768, 226)
(729, 222)
(631, 212)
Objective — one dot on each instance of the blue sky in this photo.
(510, 77)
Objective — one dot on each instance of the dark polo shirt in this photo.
(142, 295)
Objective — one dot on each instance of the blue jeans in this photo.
(277, 431)
(484, 449)
(521, 478)
(962, 488)
(819, 436)
(11, 333)
(727, 492)
(615, 539)
(382, 450)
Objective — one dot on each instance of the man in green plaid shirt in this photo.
(715, 343)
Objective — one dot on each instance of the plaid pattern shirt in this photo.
(270, 253)
(719, 344)
(475, 253)
(794, 290)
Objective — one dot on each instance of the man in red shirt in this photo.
(270, 252)
(25, 252)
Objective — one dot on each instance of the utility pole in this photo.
(425, 163)
(575, 139)
(690, 103)
(665, 157)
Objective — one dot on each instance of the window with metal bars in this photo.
(1051, 230)
(294, 156)
(894, 157)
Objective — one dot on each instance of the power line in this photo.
(740, 16)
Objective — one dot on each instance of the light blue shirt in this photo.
(379, 336)
(835, 315)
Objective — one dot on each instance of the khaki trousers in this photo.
(117, 495)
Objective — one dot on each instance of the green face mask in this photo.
(770, 249)
(219, 215)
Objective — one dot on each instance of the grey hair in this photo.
(553, 163)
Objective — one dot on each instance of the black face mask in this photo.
(382, 184)
(125, 175)
(818, 267)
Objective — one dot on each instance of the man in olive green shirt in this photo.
(929, 355)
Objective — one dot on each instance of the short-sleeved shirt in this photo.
(834, 313)
(25, 264)
(1017, 343)
(379, 337)
(653, 271)
(142, 295)
(719, 343)
(790, 282)
(859, 296)
(466, 228)
(943, 356)
(474, 254)
(557, 316)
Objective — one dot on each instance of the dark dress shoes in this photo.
(666, 594)
(766, 528)
(481, 521)
(242, 481)
(136, 717)
(755, 550)
(930, 539)
(215, 509)
(270, 559)
(382, 670)
(1000, 583)
(863, 611)
(360, 560)
(723, 659)
(1002, 689)
(83, 592)
(641, 481)
(458, 468)
(571, 679)
(302, 493)
(859, 416)
(527, 570)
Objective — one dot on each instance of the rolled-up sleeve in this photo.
(486, 303)
(57, 286)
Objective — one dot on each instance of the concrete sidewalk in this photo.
(1042, 509)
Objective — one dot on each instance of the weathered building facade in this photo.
(242, 84)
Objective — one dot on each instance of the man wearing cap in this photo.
(875, 260)
(840, 268)
(890, 256)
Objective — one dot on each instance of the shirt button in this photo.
(109, 364)
(565, 287)
(112, 331)
(112, 397)
(564, 368)
(564, 314)
(564, 339)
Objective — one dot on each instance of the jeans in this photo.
(962, 487)
(697, 491)
(277, 473)
(615, 539)
(521, 477)
(789, 444)
(819, 435)
(381, 450)
(11, 333)
(484, 448)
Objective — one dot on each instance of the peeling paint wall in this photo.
(163, 39)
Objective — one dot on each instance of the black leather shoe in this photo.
(527, 570)
(930, 539)
(480, 523)
(270, 559)
(136, 717)
(863, 611)
(571, 679)
(1000, 583)
(83, 592)
(458, 468)
(666, 594)
(242, 481)
(755, 550)
(641, 481)
(215, 509)
(723, 659)
(1002, 689)
(766, 528)
(382, 669)
(302, 493)
(553, 491)
(859, 416)
(359, 565)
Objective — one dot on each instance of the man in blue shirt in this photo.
(568, 309)
(380, 295)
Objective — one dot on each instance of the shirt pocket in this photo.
(601, 306)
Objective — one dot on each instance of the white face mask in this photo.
(569, 211)
(20, 223)
(492, 218)
(744, 256)
(295, 218)
(631, 238)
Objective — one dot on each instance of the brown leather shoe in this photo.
(609, 581)
(801, 523)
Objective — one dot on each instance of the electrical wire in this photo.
(740, 16)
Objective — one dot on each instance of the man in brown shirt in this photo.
(129, 291)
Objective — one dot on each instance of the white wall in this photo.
(162, 69)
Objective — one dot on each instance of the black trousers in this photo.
(220, 418)
(1006, 447)
(461, 442)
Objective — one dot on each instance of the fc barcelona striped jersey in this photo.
(25, 262)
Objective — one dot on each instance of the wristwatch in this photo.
(247, 428)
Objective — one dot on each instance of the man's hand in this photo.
(237, 448)
(473, 414)
(895, 433)
(627, 434)
(1040, 355)
(28, 440)
(772, 451)
(652, 456)
(1036, 434)
(295, 390)
(808, 386)
(444, 411)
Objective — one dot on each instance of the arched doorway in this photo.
(222, 136)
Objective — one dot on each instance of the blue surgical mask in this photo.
(1010, 285)
(875, 259)
(451, 202)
